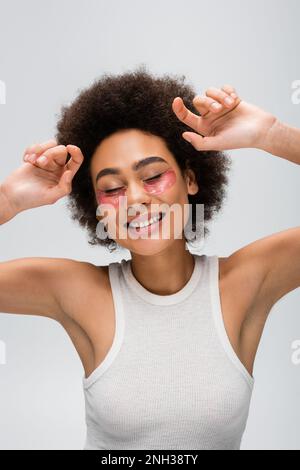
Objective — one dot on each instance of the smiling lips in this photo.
(143, 219)
(146, 227)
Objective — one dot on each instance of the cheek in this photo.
(165, 182)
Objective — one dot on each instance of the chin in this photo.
(153, 243)
(145, 247)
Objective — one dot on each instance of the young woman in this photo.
(168, 338)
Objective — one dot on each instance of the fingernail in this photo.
(233, 95)
(42, 159)
(216, 106)
(229, 101)
(32, 157)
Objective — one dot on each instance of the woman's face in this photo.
(135, 176)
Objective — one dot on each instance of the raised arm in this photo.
(35, 285)
(6, 211)
(283, 141)
(226, 122)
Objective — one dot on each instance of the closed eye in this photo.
(108, 191)
(154, 178)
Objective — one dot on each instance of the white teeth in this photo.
(146, 223)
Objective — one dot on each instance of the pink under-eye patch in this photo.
(110, 198)
(161, 184)
(156, 185)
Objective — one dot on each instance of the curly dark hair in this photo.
(136, 99)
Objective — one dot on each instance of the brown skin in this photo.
(161, 265)
(251, 280)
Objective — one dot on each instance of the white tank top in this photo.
(171, 379)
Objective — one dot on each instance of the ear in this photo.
(191, 182)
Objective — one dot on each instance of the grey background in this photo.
(50, 50)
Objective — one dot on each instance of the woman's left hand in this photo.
(224, 125)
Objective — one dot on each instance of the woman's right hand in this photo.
(43, 178)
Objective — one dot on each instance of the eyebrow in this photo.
(136, 166)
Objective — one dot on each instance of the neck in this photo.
(164, 273)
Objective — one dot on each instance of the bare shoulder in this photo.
(252, 280)
(39, 285)
(244, 289)
(245, 309)
(70, 273)
(86, 304)
(76, 294)
(244, 273)
(268, 268)
(81, 282)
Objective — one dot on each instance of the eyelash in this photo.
(108, 191)
(154, 177)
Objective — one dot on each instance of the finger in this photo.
(209, 104)
(65, 182)
(55, 156)
(52, 159)
(230, 90)
(39, 148)
(199, 103)
(220, 96)
(63, 187)
(205, 143)
(185, 115)
(76, 159)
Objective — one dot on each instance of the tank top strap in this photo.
(216, 309)
(115, 282)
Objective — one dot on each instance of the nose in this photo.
(138, 200)
(137, 195)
